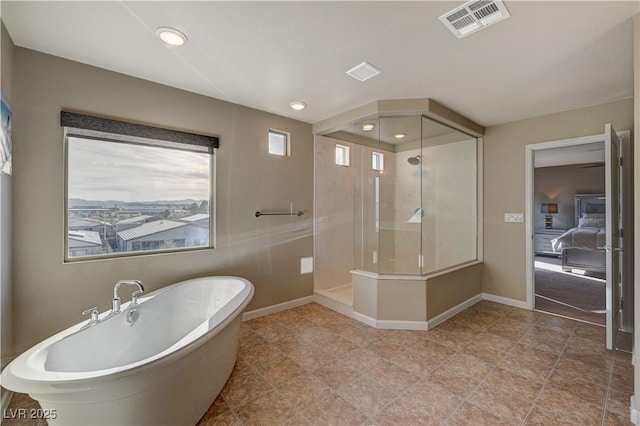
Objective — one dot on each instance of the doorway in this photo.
(568, 183)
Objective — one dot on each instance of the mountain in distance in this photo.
(81, 202)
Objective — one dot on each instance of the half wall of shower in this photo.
(397, 212)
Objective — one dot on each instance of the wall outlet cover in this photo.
(514, 217)
(306, 265)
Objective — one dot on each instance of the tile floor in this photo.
(491, 364)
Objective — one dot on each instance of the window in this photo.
(279, 143)
(377, 161)
(127, 193)
(342, 155)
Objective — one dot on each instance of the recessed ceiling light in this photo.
(367, 127)
(171, 36)
(297, 105)
(399, 135)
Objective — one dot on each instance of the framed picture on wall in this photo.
(5, 136)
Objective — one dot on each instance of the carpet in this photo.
(571, 295)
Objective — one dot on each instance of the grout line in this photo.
(553, 368)
(495, 367)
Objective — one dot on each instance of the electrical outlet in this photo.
(513, 217)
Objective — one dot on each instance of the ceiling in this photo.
(548, 57)
(590, 155)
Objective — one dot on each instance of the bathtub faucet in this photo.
(134, 296)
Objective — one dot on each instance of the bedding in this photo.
(581, 237)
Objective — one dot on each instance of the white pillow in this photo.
(591, 222)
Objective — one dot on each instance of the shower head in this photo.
(414, 161)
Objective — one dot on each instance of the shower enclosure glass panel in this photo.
(415, 195)
(449, 196)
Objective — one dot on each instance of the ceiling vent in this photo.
(474, 16)
(363, 71)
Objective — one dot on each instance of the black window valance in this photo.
(83, 125)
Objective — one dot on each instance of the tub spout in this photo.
(116, 299)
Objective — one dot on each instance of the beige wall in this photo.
(49, 295)
(504, 184)
(559, 185)
(6, 317)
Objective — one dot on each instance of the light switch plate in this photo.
(513, 217)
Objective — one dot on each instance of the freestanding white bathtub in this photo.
(165, 369)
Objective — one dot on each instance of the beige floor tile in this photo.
(557, 324)
(269, 409)
(361, 358)
(454, 380)
(509, 328)
(453, 336)
(384, 348)
(296, 420)
(511, 383)
(469, 415)
(218, 407)
(244, 386)
(477, 319)
(432, 399)
(545, 339)
(392, 377)
(259, 354)
(367, 395)
(618, 402)
(489, 347)
(581, 371)
(402, 412)
(310, 357)
(593, 332)
(508, 406)
(224, 419)
(578, 387)
(404, 338)
(280, 370)
(273, 332)
(336, 374)
(418, 361)
(589, 352)
(524, 315)
(304, 390)
(613, 419)
(334, 410)
(315, 334)
(336, 345)
(528, 362)
(566, 409)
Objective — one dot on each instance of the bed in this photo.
(581, 246)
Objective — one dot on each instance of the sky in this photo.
(100, 170)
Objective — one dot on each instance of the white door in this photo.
(613, 244)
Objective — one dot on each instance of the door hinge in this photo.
(620, 305)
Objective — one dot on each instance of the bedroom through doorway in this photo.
(569, 228)
(580, 231)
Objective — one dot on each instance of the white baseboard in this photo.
(390, 325)
(439, 319)
(335, 305)
(635, 415)
(276, 308)
(505, 301)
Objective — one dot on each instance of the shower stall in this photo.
(402, 210)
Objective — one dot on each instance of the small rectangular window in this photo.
(342, 155)
(279, 143)
(377, 161)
